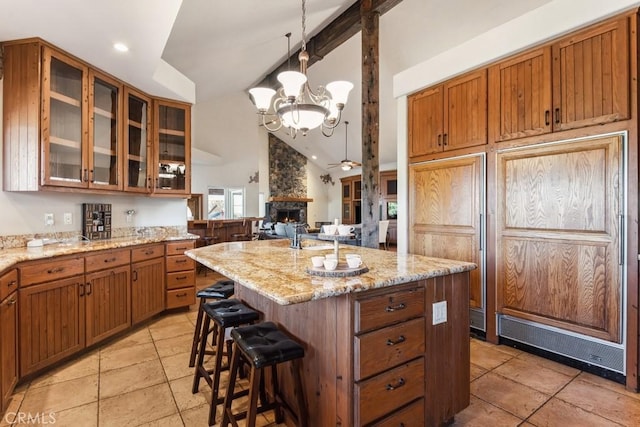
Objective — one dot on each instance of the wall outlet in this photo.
(48, 219)
(439, 312)
(68, 218)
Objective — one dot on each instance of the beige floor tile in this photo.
(175, 345)
(85, 416)
(532, 374)
(477, 371)
(487, 357)
(127, 356)
(198, 416)
(137, 337)
(82, 367)
(608, 384)
(181, 389)
(559, 413)
(482, 414)
(174, 420)
(169, 319)
(511, 396)
(177, 366)
(60, 396)
(177, 328)
(602, 401)
(550, 364)
(137, 407)
(130, 378)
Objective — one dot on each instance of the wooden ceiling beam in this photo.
(330, 37)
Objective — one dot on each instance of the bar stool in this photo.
(264, 345)
(222, 289)
(225, 314)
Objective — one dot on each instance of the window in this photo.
(225, 203)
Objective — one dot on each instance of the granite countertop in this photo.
(278, 272)
(10, 257)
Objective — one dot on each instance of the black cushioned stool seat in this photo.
(222, 289)
(225, 314)
(262, 346)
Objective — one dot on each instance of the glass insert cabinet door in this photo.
(172, 148)
(137, 174)
(104, 132)
(64, 117)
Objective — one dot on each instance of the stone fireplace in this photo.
(287, 183)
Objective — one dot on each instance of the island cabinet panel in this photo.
(147, 282)
(378, 359)
(558, 242)
(51, 322)
(8, 337)
(108, 301)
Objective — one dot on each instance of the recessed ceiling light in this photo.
(314, 157)
(120, 47)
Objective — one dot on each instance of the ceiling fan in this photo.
(345, 164)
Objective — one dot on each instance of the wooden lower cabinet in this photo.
(181, 285)
(52, 322)
(107, 299)
(378, 359)
(8, 342)
(147, 282)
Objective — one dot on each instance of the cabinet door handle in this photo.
(149, 252)
(81, 289)
(181, 295)
(439, 140)
(392, 308)
(110, 259)
(89, 288)
(11, 301)
(182, 249)
(547, 113)
(85, 175)
(557, 115)
(135, 275)
(93, 178)
(55, 270)
(395, 386)
(12, 283)
(157, 182)
(149, 185)
(445, 139)
(181, 261)
(400, 339)
(181, 277)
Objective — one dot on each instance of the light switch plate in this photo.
(439, 312)
(68, 218)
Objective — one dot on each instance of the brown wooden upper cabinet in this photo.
(172, 155)
(68, 125)
(449, 116)
(580, 80)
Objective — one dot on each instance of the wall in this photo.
(23, 213)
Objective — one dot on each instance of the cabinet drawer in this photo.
(178, 248)
(412, 415)
(107, 259)
(180, 263)
(8, 283)
(382, 349)
(147, 252)
(50, 270)
(181, 279)
(379, 311)
(181, 297)
(388, 391)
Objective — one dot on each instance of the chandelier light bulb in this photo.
(346, 167)
(292, 81)
(262, 97)
(339, 91)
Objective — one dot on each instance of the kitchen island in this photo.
(374, 351)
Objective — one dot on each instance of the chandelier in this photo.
(295, 106)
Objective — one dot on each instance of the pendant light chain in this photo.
(304, 25)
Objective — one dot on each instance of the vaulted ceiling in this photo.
(200, 49)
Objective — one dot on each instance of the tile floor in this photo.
(143, 379)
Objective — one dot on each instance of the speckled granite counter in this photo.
(10, 257)
(278, 272)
